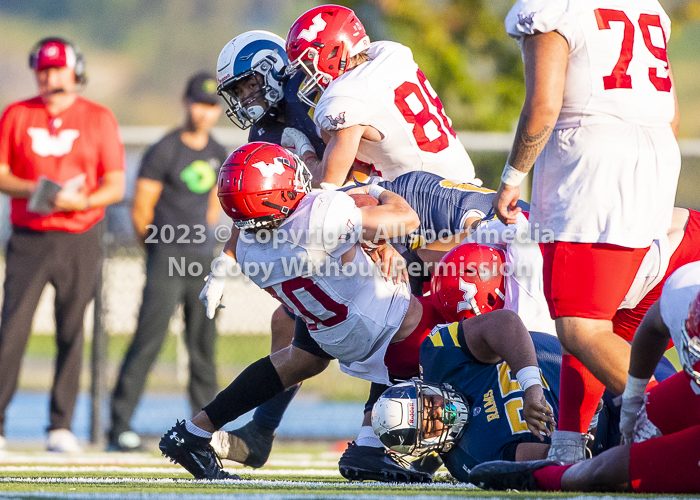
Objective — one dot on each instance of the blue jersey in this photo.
(296, 115)
(441, 205)
(496, 424)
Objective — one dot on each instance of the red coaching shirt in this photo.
(84, 138)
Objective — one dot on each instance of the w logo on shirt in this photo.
(45, 144)
(269, 169)
(310, 34)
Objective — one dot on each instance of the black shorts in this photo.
(302, 340)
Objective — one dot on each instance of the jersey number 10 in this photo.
(619, 79)
(423, 118)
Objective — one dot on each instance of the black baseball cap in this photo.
(202, 88)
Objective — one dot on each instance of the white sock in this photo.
(367, 437)
(193, 429)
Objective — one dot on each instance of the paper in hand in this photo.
(41, 201)
(46, 190)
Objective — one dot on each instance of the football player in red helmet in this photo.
(660, 426)
(371, 91)
(321, 42)
(468, 281)
(294, 245)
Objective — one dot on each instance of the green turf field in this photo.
(296, 470)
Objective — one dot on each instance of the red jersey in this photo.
(83, 139)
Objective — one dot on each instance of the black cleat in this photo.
(366, 463)
(249, 445)
(504, 475)
(192, 452)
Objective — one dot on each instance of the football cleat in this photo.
(367, 463)
(504, 475)
(192, 452)
(250, 445)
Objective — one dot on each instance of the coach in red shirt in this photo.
(60, 136)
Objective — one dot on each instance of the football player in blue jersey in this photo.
(489, 391)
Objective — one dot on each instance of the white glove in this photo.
(329, 186)
(632, 402)
(296, 142)
(213, 289)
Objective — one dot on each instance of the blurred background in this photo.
(139, 54)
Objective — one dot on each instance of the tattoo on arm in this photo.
(528, 146)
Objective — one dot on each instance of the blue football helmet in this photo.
(253, 53)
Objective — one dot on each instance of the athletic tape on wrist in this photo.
(375, 191)
(511, 176)
(528, 376)
(634, 387)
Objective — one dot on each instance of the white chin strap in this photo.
(255, 112)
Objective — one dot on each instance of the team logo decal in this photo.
(45, 144)
(199, 176)
(526, 20)
(310, 34)
(270, 169)
(469, 290)
(336, 121)
(476, 411)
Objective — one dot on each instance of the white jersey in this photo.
(390, 93)
(524, 283)
(609, 171)
(679, 291)
(351, 311)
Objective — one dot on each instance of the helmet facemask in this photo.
(315, 81)
(416, 418)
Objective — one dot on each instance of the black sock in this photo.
(255, 385)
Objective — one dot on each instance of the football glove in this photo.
(295, 141)
(213, 289)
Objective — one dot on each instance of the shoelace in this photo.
(399, 459)
(217, 460)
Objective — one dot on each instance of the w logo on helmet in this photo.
(310, 34)
(269, 169)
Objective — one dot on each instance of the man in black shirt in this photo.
(174, 205)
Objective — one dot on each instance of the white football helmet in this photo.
(252, 53)
(688, 345)
(415, 418)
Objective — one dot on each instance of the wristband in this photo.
(511, 176)
(528, 376)
(375, 191)
(222, 264)
(634, 387)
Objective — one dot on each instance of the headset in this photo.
(80, 66)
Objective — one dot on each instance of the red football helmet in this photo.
(468, 281)
(689, 350)
(260, 183)
(320, 43)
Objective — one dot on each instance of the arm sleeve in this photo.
(339, 112)
(112, 155)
